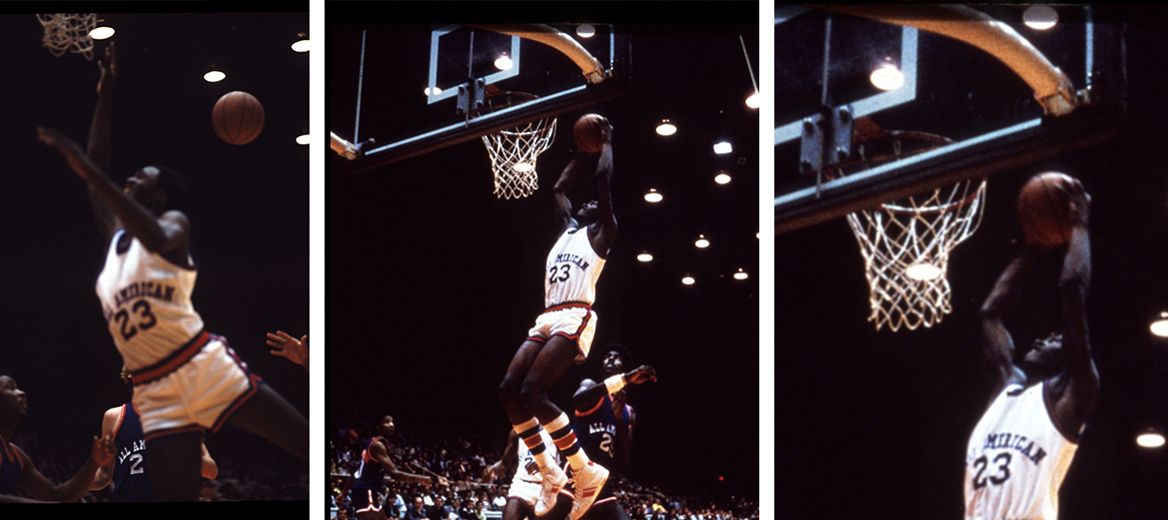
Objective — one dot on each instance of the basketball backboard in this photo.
(1006, 93)
(424, 87)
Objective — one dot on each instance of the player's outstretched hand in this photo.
(641, 374)
(493, 472)
(109, 70)
(68, 148)
(103, 450)
(288, 347)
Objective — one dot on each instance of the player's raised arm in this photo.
(606, 217)
(1074, 280)
(997, 344)
(36, 484)
(98, 147)
(168, 232)
(590, 392)
(560, 193)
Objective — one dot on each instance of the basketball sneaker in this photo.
(554, 479)
(587, 483)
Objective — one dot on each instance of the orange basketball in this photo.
(1044, 209)
(589, 133)
(238, 117)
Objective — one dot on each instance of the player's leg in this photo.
(268, 415)
(174, 466)
(516, 509)
(553, 361)
(606, 509)
(513, 382)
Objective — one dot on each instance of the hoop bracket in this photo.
(826, 140)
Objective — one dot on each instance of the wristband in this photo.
(615, 383)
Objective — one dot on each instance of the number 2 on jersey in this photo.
(144, 319)
(1002, 460)
(558, 273)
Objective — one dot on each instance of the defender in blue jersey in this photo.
(19, 474)
(127, 471)
(369, 479)
(603, 422)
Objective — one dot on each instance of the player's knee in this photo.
(509, 390)
(531, 393)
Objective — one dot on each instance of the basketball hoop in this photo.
(906, 242)
(68, 33)
(514, 151)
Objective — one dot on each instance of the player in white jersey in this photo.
(563, 332)
(1024, 443)
(186, 380)
(527, 482)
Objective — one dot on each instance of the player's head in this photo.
(385, 426)
(587, 212)
(616, 359)
(1045, 357)
(156, 187)
(13, 401)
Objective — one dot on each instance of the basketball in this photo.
(589, 132)
(1044, 209)
(238, 117)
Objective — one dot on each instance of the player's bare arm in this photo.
(590, 391)
(98, 147)
(105, 472)
(560, 194)
(378, 452)
(606, 228)
(167, 234)
(997, 344)
(624, 447)
(33, 482)
(507, 463)
(1081, 391)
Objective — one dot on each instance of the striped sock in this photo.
(529, 432)
(565, 440)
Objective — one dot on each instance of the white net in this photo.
(68, 33)
(906, 245)
(514, 151)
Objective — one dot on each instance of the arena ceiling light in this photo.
(688, 280)
(701, 242)
(214, 76)
(722, 178)
(723, 147)
(503, 62)
(887, 76)
(653, 197)
(1159, 327)
(300, 45)
(585, 30)
(302, 139)
(752, 100)
(1040, 17)
(101, 33)
(666, 128)
(1150, 438)
(741, 275)
(432, 91)
(645, 257)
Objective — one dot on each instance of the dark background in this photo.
(247, 204)
(433, 283)
(875, 424)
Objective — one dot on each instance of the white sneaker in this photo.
(553, 481)
(588, 483)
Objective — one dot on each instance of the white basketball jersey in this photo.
(572, 269)
(528, 471)
(1016, 459)
(147, 303)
